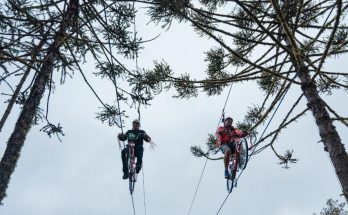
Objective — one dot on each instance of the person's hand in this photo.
(152, 145)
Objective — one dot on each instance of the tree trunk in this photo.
(19, 86)
(327, 130)
(26, 117)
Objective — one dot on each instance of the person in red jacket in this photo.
(226, 136)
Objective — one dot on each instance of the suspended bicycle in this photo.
(131, 161)
(237, 161)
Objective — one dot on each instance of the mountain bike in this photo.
(131, 166)
(237, 161)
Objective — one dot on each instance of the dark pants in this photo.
(228, 145)
(138, 152)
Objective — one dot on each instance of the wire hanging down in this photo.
(222, 117)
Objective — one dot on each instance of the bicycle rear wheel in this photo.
(131, 170)
(243, 153)
(232, 176)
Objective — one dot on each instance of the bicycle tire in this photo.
(243, 153)
(131, 172)
(131, 186)
(131, 176)
(232, 176)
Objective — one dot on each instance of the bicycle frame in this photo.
(131, 166)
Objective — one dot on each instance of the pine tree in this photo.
(282, 45)
(40, 39)
(333, 208)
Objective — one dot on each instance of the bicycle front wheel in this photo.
(230, 179)
(131, 185)
(243, 153)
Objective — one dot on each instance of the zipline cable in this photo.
(222, 117)
(223, 203)
(256, 146)
(114, 79)
(144, 188)
(269, 122)
(139, 114)
(133, 204)
(116, 88)
(199, 182)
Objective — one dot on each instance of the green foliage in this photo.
(109, 71)
(287, 158)
(185, 88)
(216, 66)
(205, 21)
(197, 151)
(166, 11)
(120, 21)
(309, 14)
(340, 39)
(211, 149)
(110, 114)
(269, 83)
(235, 59)
(29, 27)
(150, 81)
(212, 4)
(333, 208)
(254, 114)
(53, 129)
(326, 85)
(244, 19)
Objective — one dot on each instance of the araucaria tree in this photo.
(282, 45)
(40, 40)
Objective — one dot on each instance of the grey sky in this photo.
(82, 175)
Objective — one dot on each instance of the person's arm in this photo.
(244, 133)
(147, 138)
(218, 135)
(240, 133)
(122, 136)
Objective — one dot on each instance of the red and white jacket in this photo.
(228, 135)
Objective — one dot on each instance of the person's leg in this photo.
(139, 154)
(227, 157)
(227, 153)
(124, 154)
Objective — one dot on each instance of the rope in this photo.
(144, 188)
(236, 180)
(133, 204)
(136, 56)
(222, 117)
(269, 122)
(114, 78)
(223, 203)
(199, 182)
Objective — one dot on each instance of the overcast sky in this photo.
(82, 175)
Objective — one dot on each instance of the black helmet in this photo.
(136, 121)
(228, 118)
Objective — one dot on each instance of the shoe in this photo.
(227, 174)
(125, 176)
